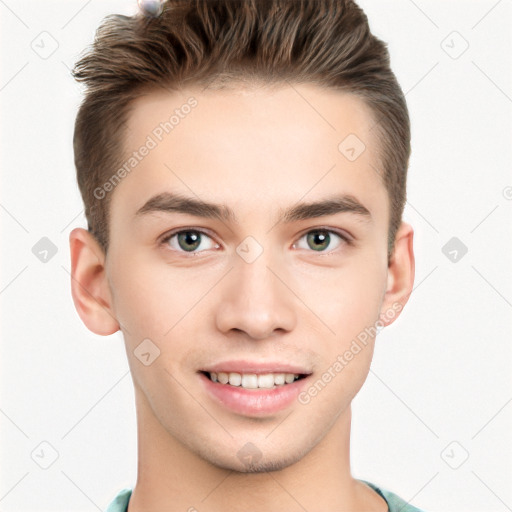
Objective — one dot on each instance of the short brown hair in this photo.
(219, 42)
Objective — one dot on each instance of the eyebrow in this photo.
(168, 203)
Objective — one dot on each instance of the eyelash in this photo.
(344, 238)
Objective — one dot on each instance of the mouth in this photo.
(254, 380)
(256, 395)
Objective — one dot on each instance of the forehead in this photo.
(250, 147)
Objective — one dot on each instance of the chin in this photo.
(259, 464)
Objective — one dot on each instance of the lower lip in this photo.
(254, 402)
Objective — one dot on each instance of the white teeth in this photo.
(253, 381)
(266, 381)
(235, 379)
(222, 377)
(279, 379)
(249, 381)
(289, 377)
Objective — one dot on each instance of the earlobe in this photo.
(89, 285)
(400, 278)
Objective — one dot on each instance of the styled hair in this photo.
(223, 43)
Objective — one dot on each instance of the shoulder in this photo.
(395, 502)
(120, 502)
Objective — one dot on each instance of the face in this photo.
(263, 282)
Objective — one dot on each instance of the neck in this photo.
(171, 477)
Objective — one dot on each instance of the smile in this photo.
(250, 394)
(252, 380)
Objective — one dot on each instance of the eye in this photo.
(189, 240)
(320, 239)
(195, 240)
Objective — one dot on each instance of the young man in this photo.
(243, 167)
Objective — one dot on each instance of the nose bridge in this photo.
(256, 301)
(255, 278)
(252, 264)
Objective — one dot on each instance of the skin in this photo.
(257, 150)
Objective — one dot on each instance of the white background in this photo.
(440, 385)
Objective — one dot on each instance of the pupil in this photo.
(319, 237)
(189, 237)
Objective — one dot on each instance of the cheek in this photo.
(350, 306)
(158, 303)
(345, 300)
(144, 302)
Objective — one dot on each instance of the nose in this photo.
(256, 300)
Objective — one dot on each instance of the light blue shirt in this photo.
(395, 503)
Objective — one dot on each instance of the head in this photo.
(283, 137)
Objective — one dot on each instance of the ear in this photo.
(400, 275)
(89, 284)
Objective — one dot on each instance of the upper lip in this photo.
(255, 367)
